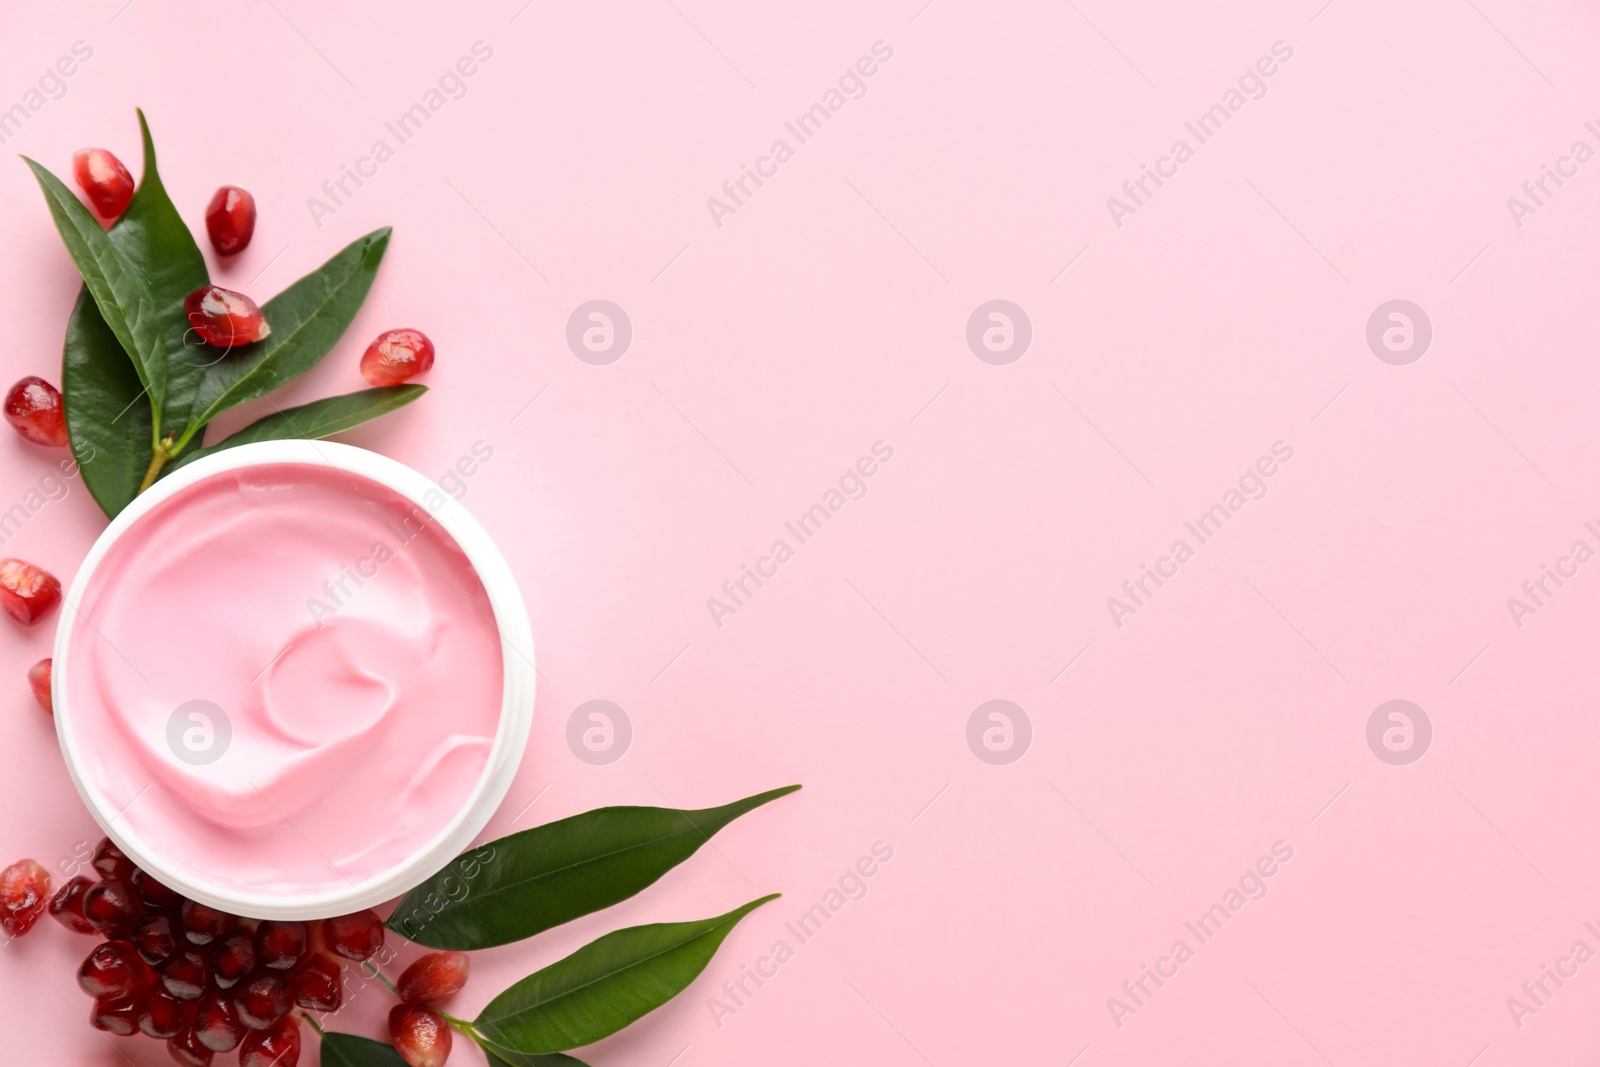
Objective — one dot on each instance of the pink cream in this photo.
(345, 638)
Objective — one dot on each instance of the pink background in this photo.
(829, 313)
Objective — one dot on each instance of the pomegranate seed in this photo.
(33, 408)
(107, 182)
(67, 906)
(111, 862)
(112, 971)
(110, 906)
(355, 937)
(153, 938)
(153, 893)
(276, 1047)
(317, 984)
(234, 959)
(39, 682)
(203, 925)
(187, 1050)
(262, 1001)
(216, 1023)
(24, 894)
(435, 977)
(186, 975)
(114, 1016)
(281, 945)
(231, 220)
(225, 318)
(162, 1015)
(396, 356)
(420, 1035)
(26, 591)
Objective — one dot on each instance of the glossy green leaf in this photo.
(605, 985)
(307, 319)
(118, 286)
(320, 418)
(500, 1057)
(107, 416)
(551, 874)
(348, 1050)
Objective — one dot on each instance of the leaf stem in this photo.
(369, 965)
(315, 1027)
(159, 455)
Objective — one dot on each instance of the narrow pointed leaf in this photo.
(320, 418)
(605, 986)
(307, 319)
(500, 1057)
(119, 287)
(108, 416)
(551, 874)
(348, 1050)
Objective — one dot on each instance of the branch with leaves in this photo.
(139, 389)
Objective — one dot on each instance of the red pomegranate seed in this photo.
(203, 925)
(233, 960)
(162, 1015)
(111, 862)
(230, 220)
(317, 984)
(24, 894)
(420, 1035)
(355, 937)
(67, 906)
(262, 1001)
(153, 893)
(225, 318)
(153, 938)
(39, 682)
(216, 1023)
(275, 1047)
(281, 945)
(112, 971)
(435, 977)
(187, 1050)
(111, 907)
(114, 1016)
(186, 975)
(107, 182)
(33, 408)
(396, 356)
(27, 592)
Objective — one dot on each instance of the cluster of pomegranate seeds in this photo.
(396, 356)
(420, 1035)
(24, 895)
(200, 979)
(104, 180)
(33, 408)
(225, 318)
(39, 682)
(27, 592)
(231, 220)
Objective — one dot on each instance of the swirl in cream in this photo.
(347, 643)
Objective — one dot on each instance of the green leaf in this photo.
(551, 874)
(306, 319)
(605, 985)
(320, 418)
(110, 428)
(108, 418)
(501, 1057)
(348, 1050)
(119, 287)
